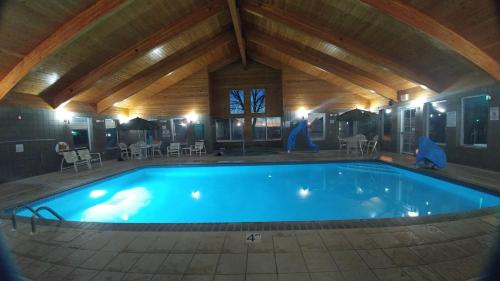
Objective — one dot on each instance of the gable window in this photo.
(258, 100)
(316, 122)
(436, 121)
(236, 102)
(111, 133)
(475, 120)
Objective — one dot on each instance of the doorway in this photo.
(407, 132)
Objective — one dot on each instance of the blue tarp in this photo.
(301, 127)
(428, 150)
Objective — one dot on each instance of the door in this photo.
(407, 139)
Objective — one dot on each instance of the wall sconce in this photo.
(192, 117)
(302, 112)
(64, 115)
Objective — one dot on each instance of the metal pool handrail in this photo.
(35, 214)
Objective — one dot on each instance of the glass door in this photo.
(408, 131)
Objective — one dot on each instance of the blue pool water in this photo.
(264, 193)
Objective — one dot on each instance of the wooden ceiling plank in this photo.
(162, 68)
(197, 16)
(265, 60)
(57, 39)
(324, 62)
(220, 64)
(236, 19)
(352, 46)
(258, 55)
(425, 23)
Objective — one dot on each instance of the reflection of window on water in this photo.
(229, 129)
(111, 133)
(236, 102)
(258, 100)
(266, 128)
(437, 121)
(80, 131)
(475, 120)
(180, 130)
(316, 123)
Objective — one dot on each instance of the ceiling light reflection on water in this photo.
(246, 193)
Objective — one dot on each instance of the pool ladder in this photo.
(35, 214)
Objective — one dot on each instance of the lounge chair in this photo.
(71, 158)
(85, 155)
(174, 149)
(199, 148)
(124, 152)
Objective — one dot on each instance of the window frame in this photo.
(462, 124)
(173, 134)
(267, 134)
(323, 137)
(117, 134)
(230, 120)
(427, 121)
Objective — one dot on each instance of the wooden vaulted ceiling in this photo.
(120, 53)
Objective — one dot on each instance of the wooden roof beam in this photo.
(197, 16)
(160, 69)
(311, 56)
(454, 40)
(352, 46)
(57, 39)
(235, 17)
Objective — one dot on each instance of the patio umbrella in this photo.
(356, 115)
(140, 124)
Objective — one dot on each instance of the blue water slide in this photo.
(428, 150)
(292, 138)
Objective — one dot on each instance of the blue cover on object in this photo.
(301, 127)
(428, 150)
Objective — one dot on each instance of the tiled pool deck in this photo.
(456, 249)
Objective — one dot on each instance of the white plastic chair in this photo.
(156, 148)
(174, 149)
(85, 155)
(199, 148)
(342, 143)
(124, 151)
(371, 146)
(71, 158)
(135, 151)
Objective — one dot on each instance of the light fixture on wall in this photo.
(62, 114)
(192, 117)
(302, 113)
(123, 119)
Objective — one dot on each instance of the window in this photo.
(180, 130)
(258, 101)
(387, 129)
(229, 129)
(111, 133)
(266, 128)
(436, 121)
(80, 131)
(475, 120)
(316, 122)
(346, 129)
(236, 102)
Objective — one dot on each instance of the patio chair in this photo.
(199, 148)
(174, 149)
(156, 148)
(71, 158)
(135, 151)
(85, 155)
(371, 146)
(342, 143)
(124, 152)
